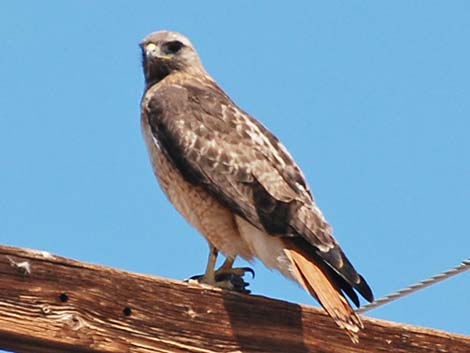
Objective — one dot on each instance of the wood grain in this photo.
(67, 306)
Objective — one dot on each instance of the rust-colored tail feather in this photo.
(316, 279)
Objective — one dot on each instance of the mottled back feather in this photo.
(214, 143)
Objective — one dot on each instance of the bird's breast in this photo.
(213, 220)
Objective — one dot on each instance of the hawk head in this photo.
(164, 53)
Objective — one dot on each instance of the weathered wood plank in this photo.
(67, 306)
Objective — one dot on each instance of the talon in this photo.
(251, 271)
(235, 277)
(238, 271)
(194, 278)
(231, 280)
(226, 277)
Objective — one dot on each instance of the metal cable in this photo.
(462, 267)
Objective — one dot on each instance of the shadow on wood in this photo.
(274, 327)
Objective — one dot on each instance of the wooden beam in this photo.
(52, 304)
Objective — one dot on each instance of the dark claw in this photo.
(237, 282)
(239, 285)
(250, 270)
(194, 278)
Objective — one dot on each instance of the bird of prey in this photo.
(236, 183)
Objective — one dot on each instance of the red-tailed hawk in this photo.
(236, 183)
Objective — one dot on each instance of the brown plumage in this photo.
(321, 284)
(235, 182)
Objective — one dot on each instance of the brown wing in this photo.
(214, 143)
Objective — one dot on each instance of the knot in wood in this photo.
(46, 309)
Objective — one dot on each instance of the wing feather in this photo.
(214, 143)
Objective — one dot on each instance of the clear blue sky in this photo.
(371, 98)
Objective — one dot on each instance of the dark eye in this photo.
(172, 47)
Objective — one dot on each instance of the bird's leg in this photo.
(227, 265)
(226, 276)
(209, 275)
(231, 277)
(227, 268)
